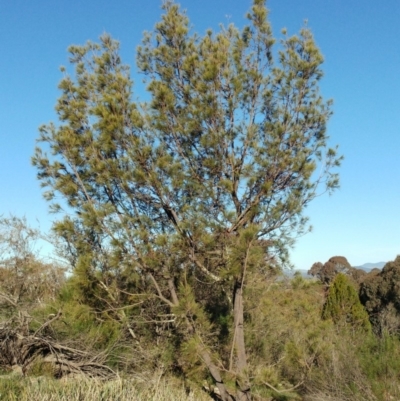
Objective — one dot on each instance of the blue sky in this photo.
(359, 40)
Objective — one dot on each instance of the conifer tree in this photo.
(343, 305)
(178, 200)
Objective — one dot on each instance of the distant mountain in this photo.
(370, 266)
(291, 273)
(366, 267)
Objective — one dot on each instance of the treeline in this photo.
(334, 338)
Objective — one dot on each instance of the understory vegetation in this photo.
(306, 339)
(44, 389)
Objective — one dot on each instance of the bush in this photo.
(380, 294)
(343, 305)
(296, 352)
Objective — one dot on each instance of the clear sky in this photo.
(360, 43)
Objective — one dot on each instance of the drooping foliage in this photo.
(173, 204)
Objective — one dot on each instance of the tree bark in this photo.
(242, 381)
(214, 371)
(172, 290)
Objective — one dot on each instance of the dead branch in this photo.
(45, 324)
(17, 349)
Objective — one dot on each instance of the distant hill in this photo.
(291, 273)
(369, 266)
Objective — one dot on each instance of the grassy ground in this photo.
(45, 389)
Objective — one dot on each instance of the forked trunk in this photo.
(214, 371)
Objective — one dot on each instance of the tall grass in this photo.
(45, 389)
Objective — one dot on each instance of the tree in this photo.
(327, 272)
(176, 202)
(343, 306)
(26, 280)
(380, 294)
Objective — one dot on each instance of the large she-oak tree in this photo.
(179, 200)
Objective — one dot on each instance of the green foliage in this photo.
(380, 294)
(293, 353)
(296, 352)
(133, 174)
(343, 306)
(41, 368)
(11, 389)
(380, 359)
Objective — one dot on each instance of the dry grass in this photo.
(45, 389)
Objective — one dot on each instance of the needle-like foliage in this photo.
(176, 201)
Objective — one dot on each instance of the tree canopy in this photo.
(379, 293)
(174, 202)
(327, 272)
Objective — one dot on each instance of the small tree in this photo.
(178, 201)
(26, 280)
(343, 306)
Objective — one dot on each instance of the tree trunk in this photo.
(242, 381)
(172, 290)
(214, 371)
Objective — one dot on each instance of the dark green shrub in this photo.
(343, 306)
